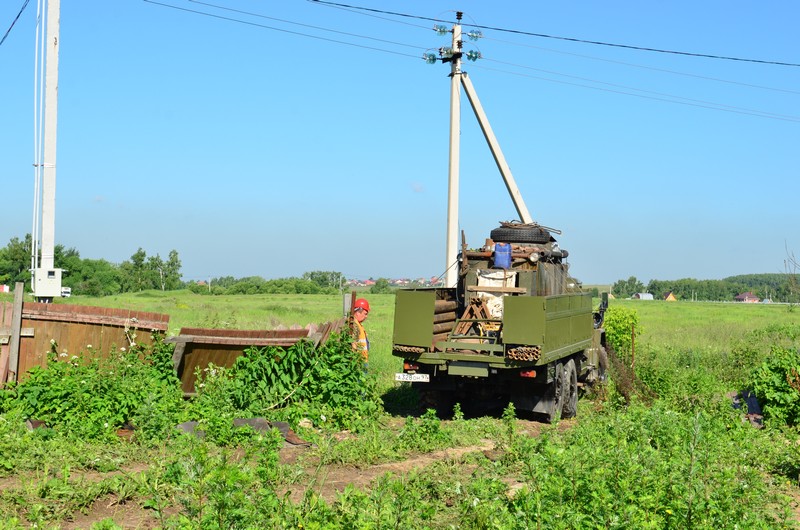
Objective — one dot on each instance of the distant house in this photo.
(642, 296)
(747, 297)
(669, 297)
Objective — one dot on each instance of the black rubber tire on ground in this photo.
(556, 393)
(602, 365)
(535, 234)
(570, 408)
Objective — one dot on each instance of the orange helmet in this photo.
(361, 304)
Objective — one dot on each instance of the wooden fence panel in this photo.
(5, 339)
(75, 329)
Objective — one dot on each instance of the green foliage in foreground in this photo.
(642, 467)
(639, 467)
(620, 324)
(90, 396)
(686, 460)
(328, 386)
(776, 381)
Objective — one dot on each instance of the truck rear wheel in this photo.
(570, 408)
(557, 392)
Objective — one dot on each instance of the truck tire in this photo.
(602, 365)
(528, 234)
(557, 392)
(570, 408)
(441, 402)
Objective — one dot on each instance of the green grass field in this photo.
(677, 455)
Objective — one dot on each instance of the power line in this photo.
(239, 21)
(570, 39)
(306, 25)
(643, 67)
(720, 106)
(24, 5)
(675, 99)
(654, 95)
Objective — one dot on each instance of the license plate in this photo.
(413, 378)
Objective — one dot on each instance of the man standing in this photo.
(360, 312)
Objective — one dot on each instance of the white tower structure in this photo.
(46, 278)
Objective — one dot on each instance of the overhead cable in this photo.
(675, 100)
(24, 5)
(643, 67)
(304, 25)
(721, 106)
(239, 21)
(571, 39)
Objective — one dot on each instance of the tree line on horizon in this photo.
(778, 287)
(94, 277)
(99, 277)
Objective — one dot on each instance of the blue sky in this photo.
(253, 151)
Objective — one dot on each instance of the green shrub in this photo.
(777, 385)
(327, 385)
(619, 323)
(90, 396)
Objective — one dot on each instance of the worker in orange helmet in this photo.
(361, 344)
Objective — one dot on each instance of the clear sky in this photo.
(253, 148)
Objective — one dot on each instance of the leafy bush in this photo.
(327, 385)
(777, 385)
(646, 467)
(619, 322)
(89, 396)
(424, 434)
(752, 350)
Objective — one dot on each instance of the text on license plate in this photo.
(413, 378)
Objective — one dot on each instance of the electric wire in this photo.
(372, 15)
(624, 63)
(570, 39)
(712, 106)
(720, 105)
(643, 67)
(24, 5)
(254, 24)
(664, 97)
(306, 25)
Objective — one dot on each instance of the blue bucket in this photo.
(502, 256)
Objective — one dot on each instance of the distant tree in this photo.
(325, 279)
(381, 286)
(224, 281)
(627, 288)
(134, 273)
(15, 261)
(172, 271)
(96, 278)
(155, 273)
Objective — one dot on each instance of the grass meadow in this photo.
(675, 454)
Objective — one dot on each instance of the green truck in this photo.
(516, 327)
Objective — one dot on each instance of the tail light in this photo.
(408, 366)
(528, 373)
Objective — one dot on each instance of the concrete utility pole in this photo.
(451, 255)
(459, 77)
(46, 278)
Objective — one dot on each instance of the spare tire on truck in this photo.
(520, 234)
